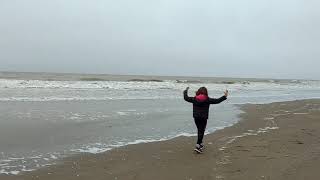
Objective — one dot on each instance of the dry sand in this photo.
(274, 141)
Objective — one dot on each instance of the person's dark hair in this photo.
(202, 90)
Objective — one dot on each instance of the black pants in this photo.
(201, 126)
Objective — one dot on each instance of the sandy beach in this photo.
(272, 141)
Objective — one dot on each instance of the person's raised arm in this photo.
(219, 100)
(186, 97)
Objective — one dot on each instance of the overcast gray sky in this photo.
(241, 38)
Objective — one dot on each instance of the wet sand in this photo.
(273, 141)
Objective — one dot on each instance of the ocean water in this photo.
(47, 117)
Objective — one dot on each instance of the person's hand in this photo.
(187, 88)
(226, 93)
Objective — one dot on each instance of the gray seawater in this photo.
(45, 120)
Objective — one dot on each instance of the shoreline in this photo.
(256, 136)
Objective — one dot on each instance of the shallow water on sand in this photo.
(33, 134)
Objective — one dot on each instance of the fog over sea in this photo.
(48, 116)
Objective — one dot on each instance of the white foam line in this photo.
(234, 138)
(268, 128)
(16, 158)
(2, 171)
(44, 165)
(27, 170)
(96, 150)
(92, 150)
(251, 133)
(53, 156)
(122, 113)
(9, 166)
(300, 113)
(277, 115)
(6, 160)
(36, 157)
(131, 110)
(280, 110)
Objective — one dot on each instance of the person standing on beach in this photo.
(201, 103)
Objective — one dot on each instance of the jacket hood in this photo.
(201, 98)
